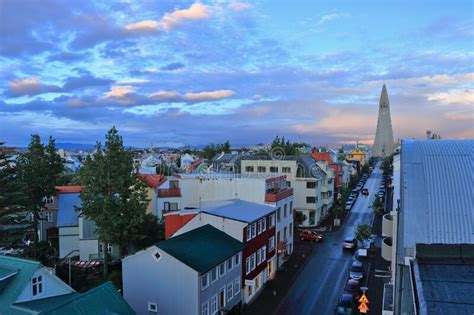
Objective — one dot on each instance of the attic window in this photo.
(157, 255)
(152, 307)
(37, 285)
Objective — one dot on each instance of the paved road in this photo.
(319, 285)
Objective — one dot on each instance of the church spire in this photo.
(384, 143)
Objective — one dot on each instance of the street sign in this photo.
(363, 308)
(363, 299)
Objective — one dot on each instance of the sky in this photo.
(173, 73)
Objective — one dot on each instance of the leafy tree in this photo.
(387, 165)
(363, 232)
(113, 196)
(341, 157)
(11, 211)
(38, 171)
(164, 169)
(211, 150)
(300, 217)
(285, 146)
(150, 232)
(372, 161)
(338, 210)
(377, 206)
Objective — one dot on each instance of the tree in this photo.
(363, 232)
(113, 196)
(300, 217)
(280, 146)
(150, 232)
(163, 169)
(377, 206)
(338, 211)
(38, 171)
(11, 211)
(211, 150)
(387, 164)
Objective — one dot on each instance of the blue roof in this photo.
(237, 209)
(436, 192)
(67, 214)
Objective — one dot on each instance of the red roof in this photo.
(68, 189)
(152, 180)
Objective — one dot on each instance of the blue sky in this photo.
(190, 72)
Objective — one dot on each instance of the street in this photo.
(319, 285)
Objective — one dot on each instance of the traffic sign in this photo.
(363, 308)
(363, 299)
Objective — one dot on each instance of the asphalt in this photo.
(317, 288)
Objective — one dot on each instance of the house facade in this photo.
(197, 272)
(250, 223)
(357, 155)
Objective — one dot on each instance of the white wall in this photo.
(88, 247)
(170, 284)
(68, 240)
(228, 226)
(52, 286)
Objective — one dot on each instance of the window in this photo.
(48, 216)
(286, 169)
(37, 285)
(214, 275)
(205, 308)
(264, 226)
(273, 169)
(204, 281)
(252, 261)
(310, 199)
(259, 227)
(278, 237)
(291, 207)
(249, 232)
(271, 243)
(152, 307)
(222, 297)
(284, 233)
(272, 220)
(278, 214)
(109, 248)
(214, 304)
(236, 285)
(259, 256)
(156, 255)
(288, 184)
(222, 269)
(229, 264)
(247, 266)
(285, 211)
(174, 184)
(230, 291)
(48, 200)
(170, 206)
(249, 169)
(264, 253)
(261, 169)
(291, 229)
(310, 185)
(254, 229)
(237, 259)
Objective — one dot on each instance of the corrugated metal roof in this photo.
(437, 192)
(237, 209)
(67, 214)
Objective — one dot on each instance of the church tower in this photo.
(383, 144)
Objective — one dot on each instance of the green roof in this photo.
(6, 272)
(26, 269)
(203, 248)
(103, 299)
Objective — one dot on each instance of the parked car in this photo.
(348, 205)
(353, 288)
(346, 305)
(365, 192)
(349, 243)
(357, 270)
(312, 236)
(361, 254)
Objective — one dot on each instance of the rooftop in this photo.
(68, 189)
(436, 191)
(152, 180)
(203, 248)
(236, 209)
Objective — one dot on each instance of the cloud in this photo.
(30, 86)
(86, 80)
(330, 17)
(455, 96)
(123, 94)
(239, 6)
(208, 96)
(172, 66)
(195, 12)
(166, 96)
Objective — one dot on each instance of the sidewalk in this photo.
(274, 290)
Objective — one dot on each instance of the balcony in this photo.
(387, 225)
(274, 196)
(387, 249)
(170, 192)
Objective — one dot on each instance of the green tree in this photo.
(300, 217)
(38, 170)
(163, 169)
(211, 150)
(377, 206)
(363, 232)
(11, 211)
(113, 196)
(338, 210)
(150, 232)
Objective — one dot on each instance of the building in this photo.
(197, 272)
(250, 223)
(226, 162)
(383, 143)
(335, 166)
(27, 287)
(309, 182)
(153, 183)
(357, 155)
(429, 234)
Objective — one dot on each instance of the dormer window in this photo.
(37, 285)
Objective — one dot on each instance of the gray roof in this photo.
(236, 209)
(444, 287)
(67, 214)
(437, 192)
(307, 167)
(226, 158)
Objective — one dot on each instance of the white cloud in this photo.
(330, 17)
(240, 6)
(455, 96)
(165, 96)
(143, 26)
(208, 96)
(30, 86)
(118, 91)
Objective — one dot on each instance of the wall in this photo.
(173, 286)
(68, 240)
(52, 286)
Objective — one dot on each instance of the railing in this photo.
(171, 192)
(279, 195)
